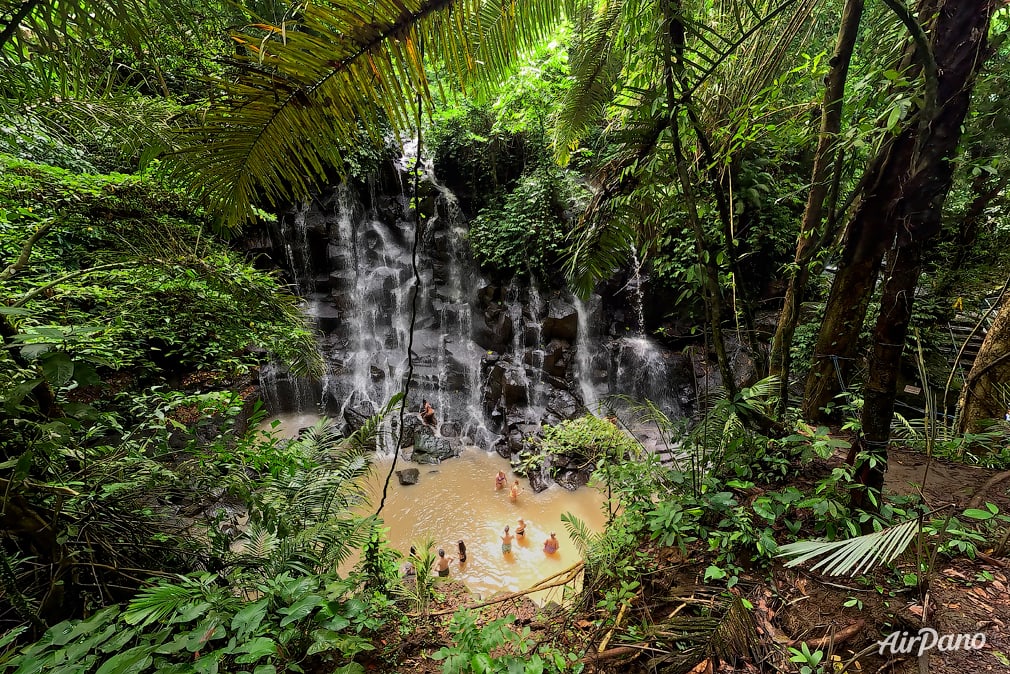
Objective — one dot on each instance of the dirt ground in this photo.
(845, 618)
(963, 596)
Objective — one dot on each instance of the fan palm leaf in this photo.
(303, 88)
(855, 555)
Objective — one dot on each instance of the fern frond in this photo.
(856, 555)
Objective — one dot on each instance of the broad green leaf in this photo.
(58, 368)
(247, 620)
(300, 609)
(254, 650)
(134, 660)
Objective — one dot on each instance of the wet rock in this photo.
(562, 320)
(408, 476)
(358, 413)
(563, 404)
(429, 449)
(411, 422)
(538, 481)
(571, 479)
(556, 359)
(514, 386)
(501, 447)
(450, 429)
(420, 431)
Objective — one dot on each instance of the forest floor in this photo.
(843, 617)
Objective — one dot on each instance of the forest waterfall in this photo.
(496, 360)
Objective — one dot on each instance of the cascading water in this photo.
(585, 347)
(520, 354)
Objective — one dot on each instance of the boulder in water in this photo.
(572, 479)
(429, 449)
(408, 476)
(421, 430)
(538, 481)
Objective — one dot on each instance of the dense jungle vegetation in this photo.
(816, 189)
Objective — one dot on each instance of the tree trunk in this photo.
(981, 398)
(806, 243)
(958, 40)
(866, 239)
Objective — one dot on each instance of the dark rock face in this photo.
(450, 429)
(538, 482)
(408, 476)
(357, 414)
(562, 321)
(564, 405)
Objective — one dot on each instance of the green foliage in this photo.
(197, 625)
(809, 661)
(473, 645)
(482, 147)
(133, 266)
(338, 66)
(593, 438)
(522, 233)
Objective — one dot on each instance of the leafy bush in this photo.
(130, 255)
(523, 233)
(196, 625)
(591, 437)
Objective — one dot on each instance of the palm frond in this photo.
(583, 537)
(595, 64)
(729, 638)
(304, 86)
(856, 555)
(259, 541)
(158, 603)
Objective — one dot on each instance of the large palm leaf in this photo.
(855, 555)
(304, 87)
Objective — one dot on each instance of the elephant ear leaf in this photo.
(855, 555)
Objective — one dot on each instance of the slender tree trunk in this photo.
(958, 43)
(985, 188)
(674, 46)
(866, 239)
(806, 244)
(981, 396)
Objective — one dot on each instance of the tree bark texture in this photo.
(981, 398)
(958, 43)
(813, 214)
(902, 198)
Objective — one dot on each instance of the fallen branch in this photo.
(841, 636)
(620, 617)
(979, 496)
(563, 578)
(611, 654)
